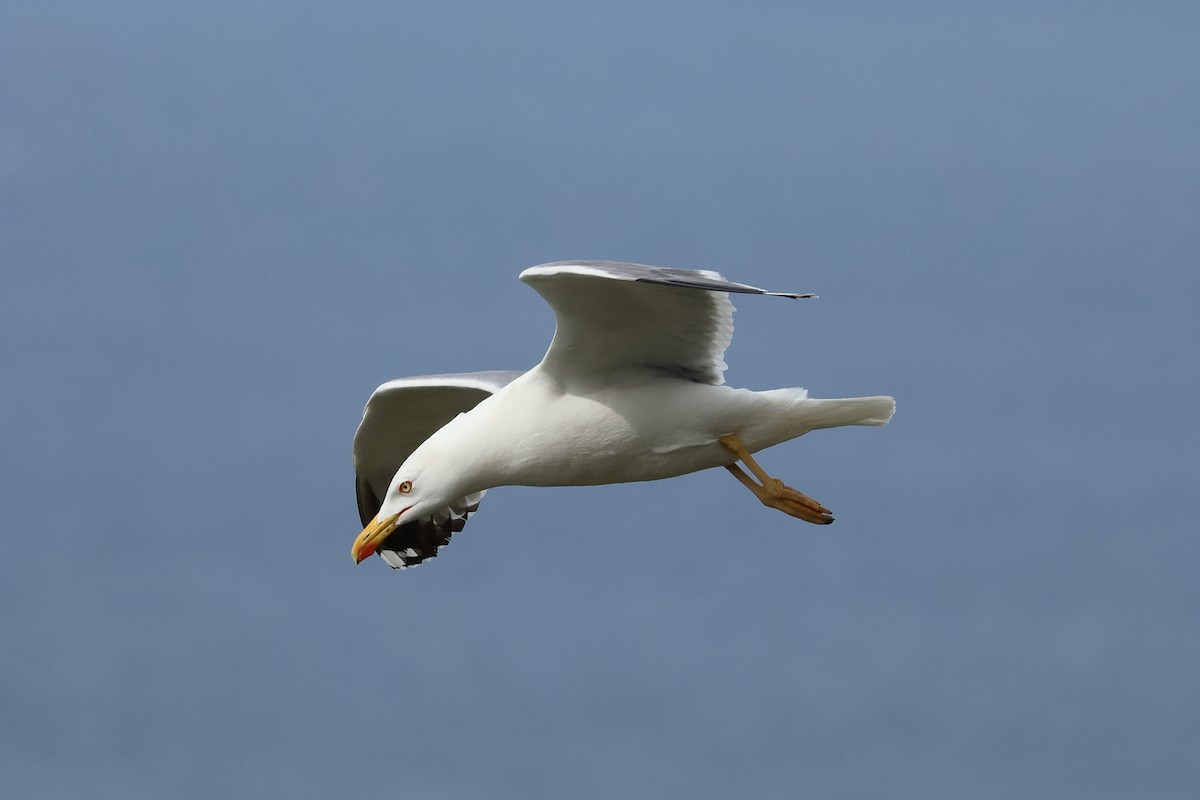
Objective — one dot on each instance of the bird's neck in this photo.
(459, 448)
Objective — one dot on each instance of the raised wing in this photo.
(399, 416)
(613, 316)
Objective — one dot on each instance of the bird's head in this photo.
(414, 492)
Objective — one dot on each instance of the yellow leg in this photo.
(772, 492)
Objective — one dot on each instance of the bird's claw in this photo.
(771, 491)
(796, 504)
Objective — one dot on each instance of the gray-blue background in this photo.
(222, 226)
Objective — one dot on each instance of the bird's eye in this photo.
(405, 487)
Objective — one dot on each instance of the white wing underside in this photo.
(612, 316)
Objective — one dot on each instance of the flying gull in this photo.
(631, 389)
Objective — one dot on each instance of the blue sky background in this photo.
(221, 226)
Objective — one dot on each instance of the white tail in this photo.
(846, 411)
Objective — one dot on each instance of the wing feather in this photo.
(613, 316)
(413, 542)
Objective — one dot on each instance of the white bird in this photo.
(631, 389)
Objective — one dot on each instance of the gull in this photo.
(631, 389)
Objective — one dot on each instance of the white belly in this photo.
(639, 432)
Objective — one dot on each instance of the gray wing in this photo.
(613, 316)
(405, 412)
